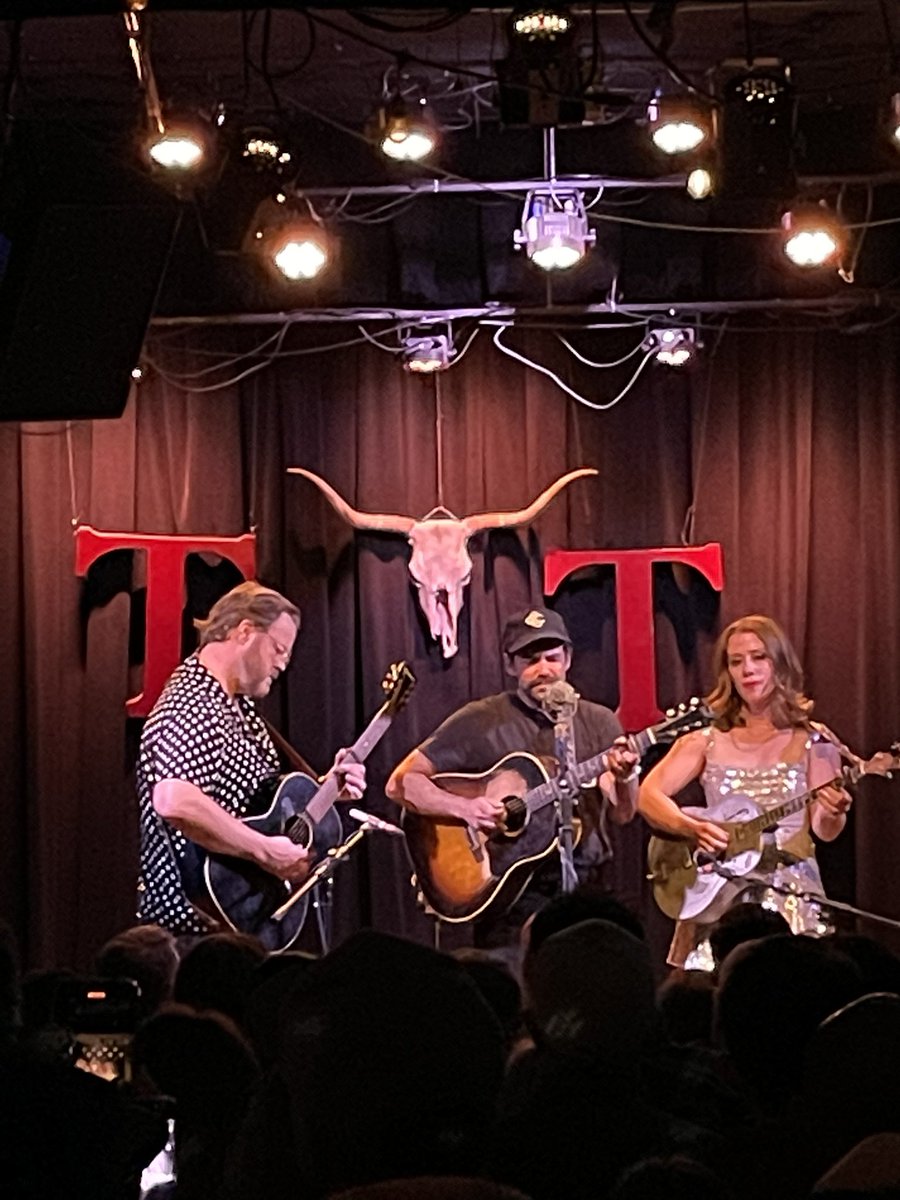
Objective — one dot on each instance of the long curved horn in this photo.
(386, 522)
(502, 520)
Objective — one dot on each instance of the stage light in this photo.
(427, 353)
(177, 147)
(263, 150)
(673, 346)
(814, 235)
(678, 124)
(288, 240)
(895, 117)
(407, 132)
(699, 183)
(758, 132)
(544, 23)
(554, 229)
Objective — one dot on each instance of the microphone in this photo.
(558, 697)
(374, 822)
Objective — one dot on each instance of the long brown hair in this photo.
(789, 704)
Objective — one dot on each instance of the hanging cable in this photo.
(616, 362)
(596, 405)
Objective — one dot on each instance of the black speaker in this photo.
(84, 240)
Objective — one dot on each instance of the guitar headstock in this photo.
(693, 714)
(397, 686)
(882, 763)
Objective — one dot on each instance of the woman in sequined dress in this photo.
(763, 746)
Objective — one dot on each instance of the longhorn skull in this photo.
(440, 564)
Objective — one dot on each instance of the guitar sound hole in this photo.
(299, 830)
(515, 813)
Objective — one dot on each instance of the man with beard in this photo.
(205, 753)
(537, 652)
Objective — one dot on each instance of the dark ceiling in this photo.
(316, 75)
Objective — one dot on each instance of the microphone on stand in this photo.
(558, 698)
(374, 822)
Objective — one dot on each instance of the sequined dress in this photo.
(786, 766)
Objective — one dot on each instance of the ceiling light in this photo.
(300, 254)
(287, 240)
(678, 124)
(407, 132)
(263, 150)
(758, 132)
(895, 117)
(541, 23)
(176, 147)
(554, 228)
(673, 346)
(813, 235)
(427, 353)
(700, 183)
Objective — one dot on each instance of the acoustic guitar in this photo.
(687, 883)
(245, 897)
(463, 873)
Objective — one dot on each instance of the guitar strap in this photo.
(289, 756)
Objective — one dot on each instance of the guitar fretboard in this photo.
(546, 793)
(772, 816)
(325, 797)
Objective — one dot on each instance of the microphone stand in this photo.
(562, 713)
(825, 902)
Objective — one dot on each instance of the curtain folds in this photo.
(782, 446)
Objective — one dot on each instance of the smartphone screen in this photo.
(105, 1054)
(100, 1016)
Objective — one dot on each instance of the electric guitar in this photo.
(243, 895)
(687, 883)
(463, 873)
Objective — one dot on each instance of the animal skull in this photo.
(440, 564)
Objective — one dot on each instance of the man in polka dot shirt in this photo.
(205, 751)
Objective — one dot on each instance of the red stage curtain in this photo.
(784, 442)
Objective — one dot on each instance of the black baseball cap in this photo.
(534, 625)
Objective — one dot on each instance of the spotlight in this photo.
(895, 117)
(425, 354)
(263, 151)
(545, 23)
(758, 131)
(700, 183)
(288, 241)
(678, 124)
(177, 146)
(813, 235)
(673, 346)
(407, 132)
(554, 229)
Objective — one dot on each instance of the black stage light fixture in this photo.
(757, 131)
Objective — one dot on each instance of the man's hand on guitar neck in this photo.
(349, 774)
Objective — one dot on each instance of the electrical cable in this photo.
(598, 406)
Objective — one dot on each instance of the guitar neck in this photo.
(773, 815)
(325, 797)
(586, 772)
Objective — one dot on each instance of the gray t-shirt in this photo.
(473, 738)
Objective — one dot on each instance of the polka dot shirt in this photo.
(199, 734)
